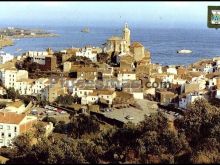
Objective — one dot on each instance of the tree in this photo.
(12, 94)
(50, 119)
(201, 127)
(82, 124)
(22, 144)
(40, 130)
(66, 99)
(56, 150)
(102, 57)
(198, 121)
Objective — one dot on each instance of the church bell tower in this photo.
(126, 35)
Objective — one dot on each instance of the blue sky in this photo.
(138, 14)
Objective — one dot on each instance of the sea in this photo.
(162, 43)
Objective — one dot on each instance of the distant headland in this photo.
(13, 32)
(5, 41)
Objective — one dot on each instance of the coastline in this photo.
(9, 41)
(6, 42)
(34, 36)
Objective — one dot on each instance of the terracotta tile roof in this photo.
(11, 117)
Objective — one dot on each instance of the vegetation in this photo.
(82, 61)
(78, 126)
(194, 139)
(67, 99)
(12, 94)
(2, 105)
(28, 65)
(103, 57)
(50, 119)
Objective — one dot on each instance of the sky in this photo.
(168, 14)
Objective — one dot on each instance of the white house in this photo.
(39, 85)
(12, 125)
(105, 96)
(4, 57)
(10, 76)
(208, 68)
(92, 98)
(124, 76)
(87, 52)
(188, 99)
(24, 86)
(172, 70)
(37, 56)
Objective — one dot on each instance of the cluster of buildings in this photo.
(129, 76)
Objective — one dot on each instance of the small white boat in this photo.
(184, 51)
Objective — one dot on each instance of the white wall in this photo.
(217, 94)
(87, 52)
(126, 76)
(38, 57)
(138, 95)
(4, 57)
(172, 70)
(7, 129)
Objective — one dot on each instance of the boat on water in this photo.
(18, 49)
(85, 30)
(184, 51)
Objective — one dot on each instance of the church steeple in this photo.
(126, 34)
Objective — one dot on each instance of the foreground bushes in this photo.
(194, 139)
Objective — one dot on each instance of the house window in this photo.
(15, 129)
(8, 127)
(3, 134)
(9, 134)
(1, 140)
(1, 126)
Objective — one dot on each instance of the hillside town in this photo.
(117, 83)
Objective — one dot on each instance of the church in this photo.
(122, 47)
(119, 45)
